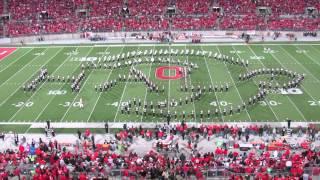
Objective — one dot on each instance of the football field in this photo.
(54, 100)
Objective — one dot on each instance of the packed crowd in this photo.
(1, 7)
(105, 8)
(279, 7)
(251, 22)
(1, 31)
(175, 154)
(145, 23)
(144, 7)
(238, 6)
(198, 23)
(64, 16)
(285, 6)
(305, 24)
(193, 6)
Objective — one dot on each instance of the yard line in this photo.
(298, 110)
(311, 58)
(215, 94)
(27, 129)
(305, 89)
(234, 82)
(85, 81)
(312, 47)
(148, 77)
(14, 115)
(26, 65)
(275, 115)
(59, 88)
(316, 79)
(17, 89)
(300, 64)
(124, 89)
(17, 59)
(194, 107)
(315, 63)
(95, 104)
(287, 96)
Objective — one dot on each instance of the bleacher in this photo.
(144, 7)
(58, 16)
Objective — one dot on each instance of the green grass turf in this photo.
(22, 66)
(71, 130)
(18, 128)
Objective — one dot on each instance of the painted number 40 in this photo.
(57, 92)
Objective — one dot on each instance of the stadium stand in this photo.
(1, 7)
(187, 7)
(101, 24)
(101, 8)
(232, 158)
(57, 9)
(144, 23)
(238, 6)
(284, 7)
(194, 23)
(247, 22)
(299, 24)
(51, 17)
(59, 26)
(1, 31)
(22, 28)
(25, 10)
(144, 7)
(239, 152)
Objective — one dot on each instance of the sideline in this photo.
(65, 125)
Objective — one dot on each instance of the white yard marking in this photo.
(95, 104)
(124, 89)
(275, 115)
(17, 89)
(84, 83)
(215, 94)
(145, 97)
(305, 89)
(17, 59)
(234, 82)
(37, 88)
(257, 85)
(22, 69)
(312, 48)
(194, 107)
(311, 58)
(39, 115)
(287, 96)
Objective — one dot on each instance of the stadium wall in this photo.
(180, 36)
